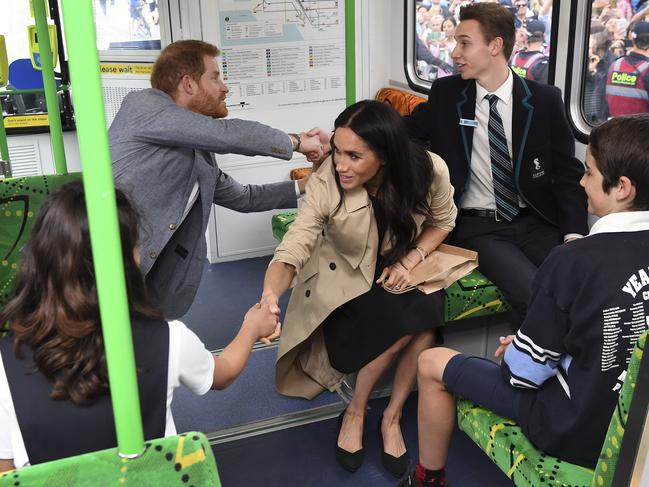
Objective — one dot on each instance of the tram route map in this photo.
(263, 21)
(280, 53)
(317, 14)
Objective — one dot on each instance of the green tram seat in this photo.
(470, 297)
(504, 442)
(184, 460)
(20, 200)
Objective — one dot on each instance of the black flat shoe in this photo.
(349, 461)
(397, 466)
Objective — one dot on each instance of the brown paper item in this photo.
(442, 267)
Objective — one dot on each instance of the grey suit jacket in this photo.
(159, 150)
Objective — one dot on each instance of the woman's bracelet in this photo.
(422, 253)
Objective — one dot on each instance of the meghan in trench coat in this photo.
(330, 252)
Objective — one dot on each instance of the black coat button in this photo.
(307, 293)
(332, 266)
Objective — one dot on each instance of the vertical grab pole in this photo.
(49, 84)
(350, 51)
(4, 147)
(102, 219)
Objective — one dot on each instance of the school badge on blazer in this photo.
(538, 168)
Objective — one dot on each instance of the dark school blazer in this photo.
(546, 172)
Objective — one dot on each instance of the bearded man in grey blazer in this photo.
(162, 142)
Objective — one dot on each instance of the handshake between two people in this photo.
(262, 321)
(315, 145)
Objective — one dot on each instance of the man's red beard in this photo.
(208, 105)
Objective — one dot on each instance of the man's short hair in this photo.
(495, 21)
(620, 147)
(178, 59)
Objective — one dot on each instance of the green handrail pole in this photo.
(102, 218)
(49, 83)
(350, 51)
(4, 147)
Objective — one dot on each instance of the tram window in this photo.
(617, 74)
(127, 25)
(434, 27)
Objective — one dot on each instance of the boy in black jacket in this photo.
(562, 371)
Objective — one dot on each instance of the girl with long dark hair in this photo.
(54, 387)
(373, 210)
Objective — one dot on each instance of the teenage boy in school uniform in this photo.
(560, 375)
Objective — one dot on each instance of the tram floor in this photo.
(242, 421)
(250, 399)
(304, 456)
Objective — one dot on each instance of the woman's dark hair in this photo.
(407, 169)
(451, 19)
(620, 147)
(55, 309)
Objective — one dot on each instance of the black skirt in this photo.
(360, 330)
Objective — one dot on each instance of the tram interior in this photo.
(258, 435)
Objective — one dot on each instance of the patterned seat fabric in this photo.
(20, 200)
(280, 223)
(402, 102)
(506, 445)
(300, 172)
(471, 296)
(183, 460)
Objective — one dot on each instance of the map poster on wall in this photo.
(277, 54)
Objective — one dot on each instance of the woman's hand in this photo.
(272, 301)
(504, 343)
(395, 277)
(263, 322)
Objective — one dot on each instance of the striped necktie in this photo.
(501, 164)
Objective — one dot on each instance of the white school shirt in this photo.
(190, 363)
(480, 191)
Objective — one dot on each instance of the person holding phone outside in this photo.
(435, 39)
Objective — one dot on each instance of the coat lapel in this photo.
(354, 233)
(466, 110)
(521, 121)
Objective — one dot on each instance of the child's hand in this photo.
(263, 322)
(504, 343)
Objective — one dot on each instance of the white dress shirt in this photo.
(480, 191)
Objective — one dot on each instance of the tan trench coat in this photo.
(334, 252)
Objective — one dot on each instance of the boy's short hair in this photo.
(178, 59)
(620, 147)
(495, 21)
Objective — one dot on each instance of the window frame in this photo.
(417, 84)
(576, 69)
(143, 55)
